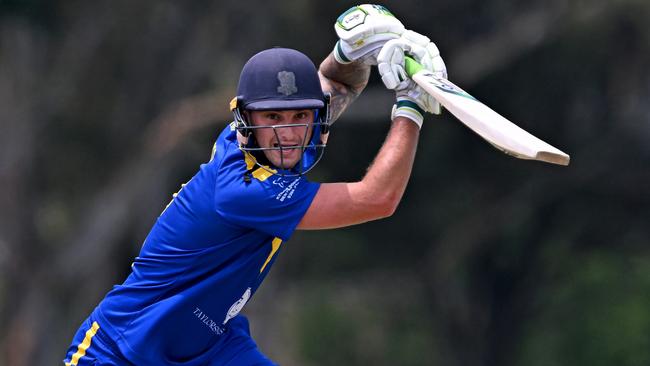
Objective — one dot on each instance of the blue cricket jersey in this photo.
(206, 255)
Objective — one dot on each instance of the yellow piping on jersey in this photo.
(249, 159)
(275, 245)
(81, 349)
(261, 173)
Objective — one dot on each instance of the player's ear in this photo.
(241, 117)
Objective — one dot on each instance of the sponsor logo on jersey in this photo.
(238, 305)
(205, 319)
(288, 191)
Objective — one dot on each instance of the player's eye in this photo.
(302, 115)
(273, 116)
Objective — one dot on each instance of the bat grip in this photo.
(411, 66)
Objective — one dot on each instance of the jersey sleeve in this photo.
(269, 203)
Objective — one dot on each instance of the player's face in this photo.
(298, 128)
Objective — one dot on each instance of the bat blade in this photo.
(490, 125)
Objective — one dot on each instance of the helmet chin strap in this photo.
(243, 140)
(243, 133)
(325, 127)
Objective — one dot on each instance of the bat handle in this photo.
(411, 66)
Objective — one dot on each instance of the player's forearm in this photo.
(386, 179)
(377, 194)
(344, 82)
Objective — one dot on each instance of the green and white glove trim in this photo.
(406, 107)
(363, 30)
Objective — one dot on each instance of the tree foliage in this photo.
(107, 107)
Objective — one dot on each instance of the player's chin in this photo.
(286, 160)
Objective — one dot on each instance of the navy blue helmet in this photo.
(281, 79)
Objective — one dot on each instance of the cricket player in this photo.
(216, 241)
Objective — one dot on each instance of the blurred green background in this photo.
(106, 107)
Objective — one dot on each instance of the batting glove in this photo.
(362, 31)
(412, 101)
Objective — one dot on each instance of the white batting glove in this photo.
(362, 31)
(412, 101)
(419, 47)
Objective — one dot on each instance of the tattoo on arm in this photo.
(344, 83)
(341, 96)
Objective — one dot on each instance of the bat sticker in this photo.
(446, 86)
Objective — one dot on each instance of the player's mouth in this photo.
(287, 149)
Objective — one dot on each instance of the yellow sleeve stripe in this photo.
(81, 350)
(275, 245)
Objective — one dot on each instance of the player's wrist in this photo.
(339, 54)
(408, 109)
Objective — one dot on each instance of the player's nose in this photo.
(291, 133)
(283, 136)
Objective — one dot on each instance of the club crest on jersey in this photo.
(287, 81)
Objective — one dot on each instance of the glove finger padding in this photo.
(391, 68)
(438, 66)
(391, 62)
(425, 52)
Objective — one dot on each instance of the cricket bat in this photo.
(490, 125)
